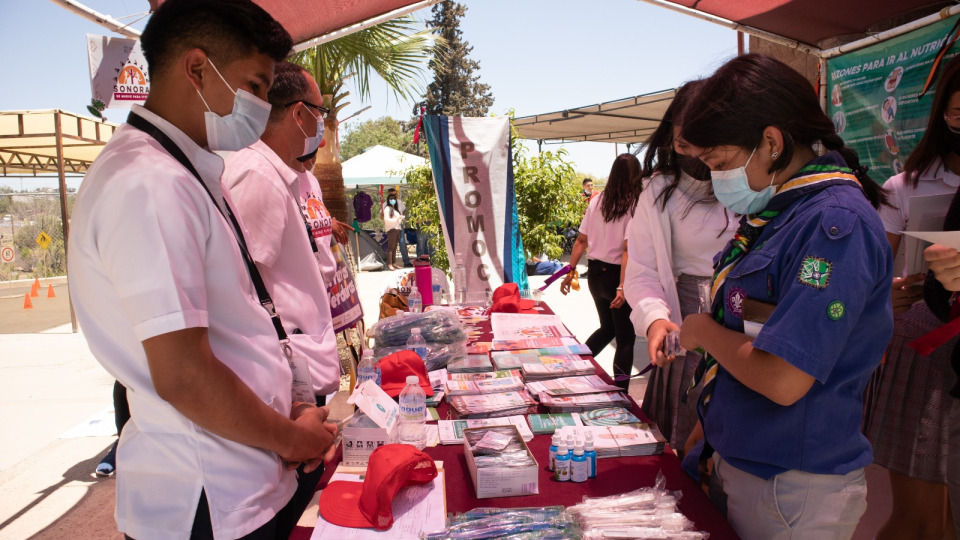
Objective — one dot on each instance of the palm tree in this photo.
(396, 50)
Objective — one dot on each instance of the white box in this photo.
(505, 482)
(360, 442)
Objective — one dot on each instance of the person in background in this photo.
(587, 191)
(121, 413)
(801, 309)
(908, 401)
(167, 303)
(392, 219)
(543, 265)
(265, 189)
(677, 228)
(601, 239)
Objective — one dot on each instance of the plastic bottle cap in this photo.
(414, 330)
(562, 449)
(556, 439)
(578, 450)
(413, 379)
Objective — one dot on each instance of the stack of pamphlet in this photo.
(569, 368)
(502, 374)
(534, 343)
(546, 424)
(451, 431)
(622, 440)
(609, 416)
(472, 363)
(494, 405)
(438, 380)
(566, 386)
(483, 386)
(516, 358)
(583, 402)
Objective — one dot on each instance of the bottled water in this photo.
(368, 369)
(417, 344)
(460, 281)
(415, 301)
(413, 410)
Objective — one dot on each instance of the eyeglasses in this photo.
(322, 110)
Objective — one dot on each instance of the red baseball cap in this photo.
(506, 299)
(394, 369)
(391, 468)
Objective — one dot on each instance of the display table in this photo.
(614, 476)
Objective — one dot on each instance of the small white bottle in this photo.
(413, 410)
(579, 466)
(554, 444)
(368, 369)
(561, 471)
(414, 301)
(590, 454)
(417, 344)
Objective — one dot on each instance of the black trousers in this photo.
(603, 280)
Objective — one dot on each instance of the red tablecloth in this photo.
(614, 475)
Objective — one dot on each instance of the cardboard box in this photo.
(360, 438)
(505, 482)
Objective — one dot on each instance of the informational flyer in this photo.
(523, 326)
(118, 71)
(873, 96)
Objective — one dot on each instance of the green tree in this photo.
(548, 201)
(384, 131)
(456, 90)
(395, 50)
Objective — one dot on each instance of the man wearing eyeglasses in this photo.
(265, 190)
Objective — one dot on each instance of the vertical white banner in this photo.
(118, 71)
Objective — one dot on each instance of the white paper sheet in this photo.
(524, 326)
(944, 238)
(415, 509)
(928, 212)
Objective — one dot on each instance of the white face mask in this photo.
(242, 127)
(734, 192)
(311, 144)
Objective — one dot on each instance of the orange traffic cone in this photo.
(50, 291)
(35, 290)
(27, 304)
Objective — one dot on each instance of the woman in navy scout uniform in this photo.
(809, 269)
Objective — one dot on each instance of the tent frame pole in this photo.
(64, 217)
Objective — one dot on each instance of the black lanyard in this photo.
(171, 147)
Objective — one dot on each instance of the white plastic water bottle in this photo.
(417, 344)
(413, 410)
(368, 368)
(460, 281)
(415, 301)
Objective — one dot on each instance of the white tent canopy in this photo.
(379, 165)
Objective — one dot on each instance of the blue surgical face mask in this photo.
(242, 127)
(311, 144)
(733, 190)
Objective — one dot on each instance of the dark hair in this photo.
(661, 157)
(936, 139)
(623, 188)
(289, 86)
(752, 92)
(225, 29)
(585, 180)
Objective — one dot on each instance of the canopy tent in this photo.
(629, 120)
(379, 165)
(310, 22)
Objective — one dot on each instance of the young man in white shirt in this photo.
(265, 190)
(166, 300)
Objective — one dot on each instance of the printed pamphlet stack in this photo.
(483, 386)
(546, 424)
(621, 441)
(583, 402)
(565, 386)
(568, 368)
(494, 405)
(611, 416)
(451, 431)
(472, 363)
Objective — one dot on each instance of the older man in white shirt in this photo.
(166, 301)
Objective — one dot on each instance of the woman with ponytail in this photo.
(801, 309)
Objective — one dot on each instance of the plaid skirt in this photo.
(666, 401)
(907, 402)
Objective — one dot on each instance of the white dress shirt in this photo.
(604, 239)
(150, 254)
(321, 223)
(265, 192)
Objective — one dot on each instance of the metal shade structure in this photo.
(50, 142)
(629, 120)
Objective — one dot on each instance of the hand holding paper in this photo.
(945, 264)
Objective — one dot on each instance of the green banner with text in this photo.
(873, 96)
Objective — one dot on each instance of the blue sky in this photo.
(538, 56)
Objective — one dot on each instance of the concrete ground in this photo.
(57, 421)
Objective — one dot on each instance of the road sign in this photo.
(44, 240)
(6, 254)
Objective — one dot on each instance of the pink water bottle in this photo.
(424, 274)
